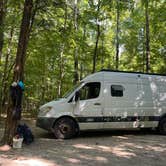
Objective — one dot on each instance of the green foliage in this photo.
(50, 55)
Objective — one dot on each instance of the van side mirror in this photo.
(77, 95)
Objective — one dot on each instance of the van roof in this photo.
(102, 73)
(108, 70)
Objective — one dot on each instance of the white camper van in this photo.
(108, 100)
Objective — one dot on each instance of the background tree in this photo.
(11, 123)
(71, 39)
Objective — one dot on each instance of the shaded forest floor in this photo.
(95, 148)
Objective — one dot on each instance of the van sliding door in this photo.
(120, 107)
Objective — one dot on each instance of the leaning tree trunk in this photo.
(11, 123)
(147, 37)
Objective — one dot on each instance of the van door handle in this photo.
(97, 103)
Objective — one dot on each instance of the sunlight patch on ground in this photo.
(122, 137)
(5, 148)
(34, 162)
(83, 146)
(73, 160)
(101, 159)
(117, 151)
(155, 148)
(97, 158)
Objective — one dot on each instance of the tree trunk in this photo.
(147, 37)
(60, 72)
(61, 60)
(96, 48)
(102, 54)
(11, 123)
(117, 34)
(23, 41)
(76, 73)
(82, 68)
(97, 39)
(5, 76)
(2, 15)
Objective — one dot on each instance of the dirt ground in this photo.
(120, 148)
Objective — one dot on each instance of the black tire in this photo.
(162, 126)
(65, 128)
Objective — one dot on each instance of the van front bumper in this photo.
(45, 123)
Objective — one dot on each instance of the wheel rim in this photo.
(64, 128)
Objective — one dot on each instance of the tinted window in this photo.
(90, 90)
(117, 90)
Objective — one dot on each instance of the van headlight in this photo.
(43, 111)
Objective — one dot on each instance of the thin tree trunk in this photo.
(102, 54)
(97, 39)
(5, 76)
(83, 53)
(117, 34)
(60, 72)
(147, 37)
(2, 15)
(11, 123)
(61, 63)
(96, 48)
(76, 73)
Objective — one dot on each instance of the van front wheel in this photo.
(65, 128)
(162, 126)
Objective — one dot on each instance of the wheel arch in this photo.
(163, 116)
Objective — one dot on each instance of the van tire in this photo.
(162, 126)
(65, 128)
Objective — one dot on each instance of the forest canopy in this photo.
(70, 39)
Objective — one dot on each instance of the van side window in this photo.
(117, 90)
(90, 91)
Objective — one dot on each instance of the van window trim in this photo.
(117, 85)
(83, 84)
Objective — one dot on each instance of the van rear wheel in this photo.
(162, 126)
(65, 128)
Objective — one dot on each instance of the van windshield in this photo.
(68, 93)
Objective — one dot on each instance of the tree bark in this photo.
(11, 123)
(147, 37)
(61, 60)
(4, 93)
(2, 15)
(82, 67)
(76, 73)
(117, 34)
(102, 54)
(23, 41)
(96, 48)
(97, 38)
